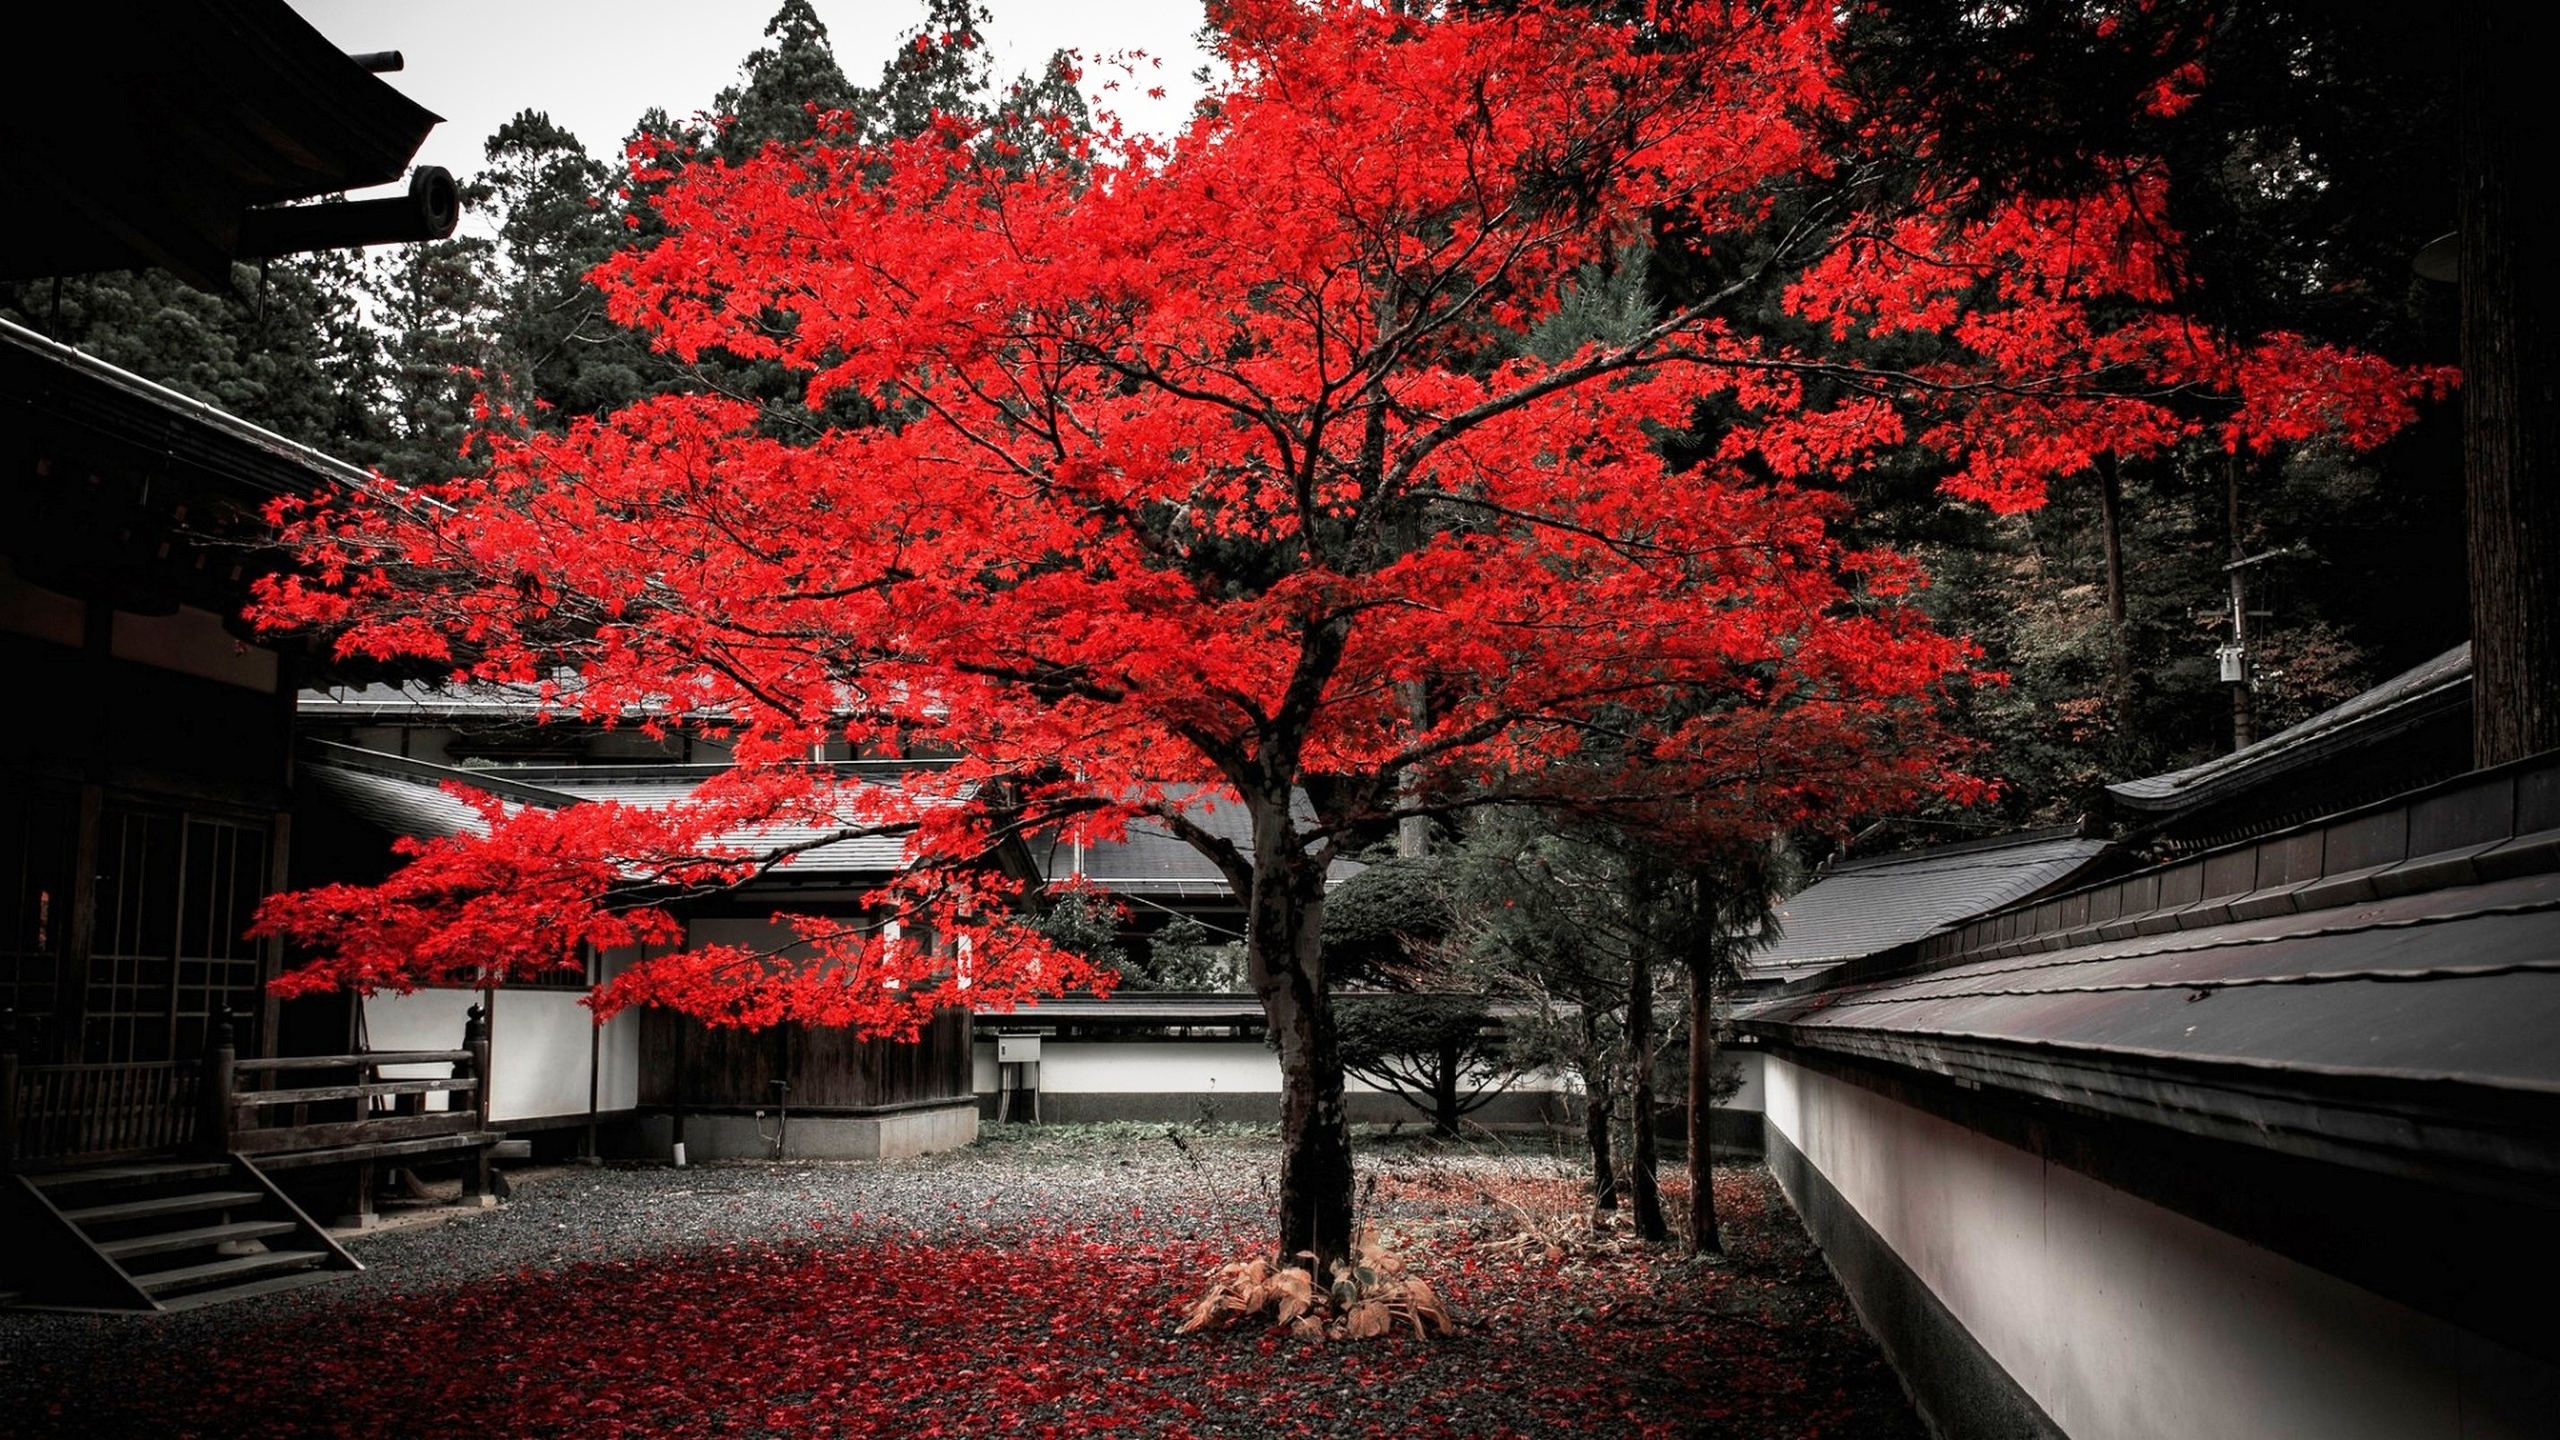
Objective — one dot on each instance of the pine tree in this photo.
(557, 220)
(784, 87)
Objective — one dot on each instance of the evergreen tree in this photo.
(941, 68)
(437, 304)
(557, 220)
(783, 87)
(275, 347)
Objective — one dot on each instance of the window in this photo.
(175, 891)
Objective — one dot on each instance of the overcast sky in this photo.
(595, 65)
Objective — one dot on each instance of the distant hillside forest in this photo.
(2312, 168)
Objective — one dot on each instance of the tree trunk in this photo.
(2244, 708)
(1703, 1237)
(1413, 832)
(1598, 1116)
(1598, 1113)
(1648, 1196)
(1284, 929)
(2111, 533)
(2120, 678)
(2509, 404)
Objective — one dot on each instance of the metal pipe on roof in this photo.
(430, 211)
(380, 62)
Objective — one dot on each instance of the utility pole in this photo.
(2237, 670)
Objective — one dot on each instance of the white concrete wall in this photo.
(2127, 1321)
(538, 1048)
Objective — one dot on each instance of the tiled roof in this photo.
(2379, 985)
(1864, 907)
(404, 805)
(417, 701)
(654, 787)
(405, 797)
(227, 444)
(2379, 710)
(1149, 860)
(1131, 1007)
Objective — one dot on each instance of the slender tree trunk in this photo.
(2244, 700)
(1598, 1113)
(1598, 1116)
(1284, 927)
(1648, 1195)
(1703, 1236)
(2510, 392)
(2119, 640)
(1413, 832)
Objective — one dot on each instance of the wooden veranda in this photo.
(147, 1185)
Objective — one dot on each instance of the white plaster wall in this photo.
(2128, 1321)
(1171, 1067)
(538, 1048)
(1751, 1066)
(1155, 1067)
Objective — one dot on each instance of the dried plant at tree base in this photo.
(1370, 1294)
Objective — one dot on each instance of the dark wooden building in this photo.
(146, 769)
(375, 760)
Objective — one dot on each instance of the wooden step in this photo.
(161, 1244)
(194, 1299)
(159, 1206)
(121, 1177)
(235, 1268)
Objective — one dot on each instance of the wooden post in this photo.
(475, 1038)
(217, 1115)
(8, 1091)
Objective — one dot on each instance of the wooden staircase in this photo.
(162, 1236)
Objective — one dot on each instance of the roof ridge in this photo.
(1976, 846)
(330, 754)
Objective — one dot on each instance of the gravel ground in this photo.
(1562, 1331)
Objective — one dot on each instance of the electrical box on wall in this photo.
(1017, 1049)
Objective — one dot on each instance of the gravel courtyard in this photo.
(1029, 1285)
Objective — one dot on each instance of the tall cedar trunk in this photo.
(1284, 930)
(1703, 1237)
(2119, 640)
(1598, 1113)
(2244, 699)
(1648, 1195)
(1413, 832)
(2509, 406)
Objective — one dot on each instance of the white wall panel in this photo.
(539, 1048)
(2127, 1321)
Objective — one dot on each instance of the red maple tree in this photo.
(1222, 462)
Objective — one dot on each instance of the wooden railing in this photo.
(99, 1112)
(350, 1102)
(51, 1114)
